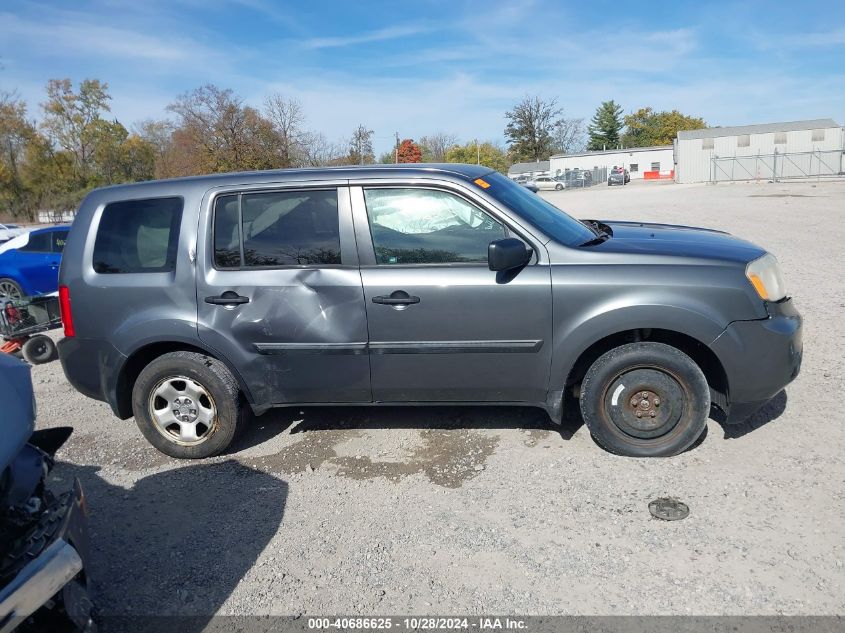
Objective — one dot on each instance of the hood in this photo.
(676, 240)
(18, 407)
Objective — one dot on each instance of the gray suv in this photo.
(189, 303)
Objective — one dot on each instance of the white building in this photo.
(531, 170)
(650, 163)
(769, 151)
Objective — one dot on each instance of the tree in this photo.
(435, 146)
(288, 122)
(409, 152)
(70, 118)
(645, 127)
(605, 126)
(569, 136)
(361, 147)
(159, 137)
(530, 129)
(320, 152)
(16, 134)
(486, 153)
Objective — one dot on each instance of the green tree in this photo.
(605, 127)
(645, 127)
(16, 134)
(70, 118)
(486, 153)
(531, 127)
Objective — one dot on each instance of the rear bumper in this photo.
(760, 358)
(92, 366)
(52, 570)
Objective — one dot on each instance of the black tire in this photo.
(558, 187)
(10, 289)
(39, 349)
(675, 390)
(221, 396)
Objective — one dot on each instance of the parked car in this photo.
(43, 536)
(531, 186)
(29, 263)
(189, 302)
(618, 176)
(547, 183)
(8, 231)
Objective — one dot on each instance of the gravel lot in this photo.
(478, 510)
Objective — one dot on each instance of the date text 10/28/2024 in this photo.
(418, 623)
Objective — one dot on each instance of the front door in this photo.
(442, 326)
(279, 293)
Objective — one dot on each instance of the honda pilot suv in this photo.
(189, 303)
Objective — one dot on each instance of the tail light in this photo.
(64, 307)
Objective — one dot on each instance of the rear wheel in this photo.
(645, 400)
(39, 349)
(10, 289)
(187, 405)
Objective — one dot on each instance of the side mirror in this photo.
(507, 254)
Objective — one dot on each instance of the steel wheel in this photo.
(9, 290)
(645, 402)
(182, 410)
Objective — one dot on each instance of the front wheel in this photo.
(187, 405)
(558, 187)
(645, 400)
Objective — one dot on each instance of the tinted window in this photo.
(138, 236)
(537, 212)
(423, 226)
(227, 233)
(38, 243)
(284, 228)
(58, 239)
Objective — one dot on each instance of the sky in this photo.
(429, 66)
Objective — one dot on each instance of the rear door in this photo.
(38, 264)
(442, 326)
(279, 292)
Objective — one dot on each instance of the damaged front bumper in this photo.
(52, 556)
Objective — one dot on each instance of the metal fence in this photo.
(580, 178)
(777, 166)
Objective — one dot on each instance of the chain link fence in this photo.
(581, 178)
(777, 166)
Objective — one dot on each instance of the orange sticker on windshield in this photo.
(482, 183)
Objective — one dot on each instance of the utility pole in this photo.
(397, 148)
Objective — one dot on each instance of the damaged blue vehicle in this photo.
(43, 535)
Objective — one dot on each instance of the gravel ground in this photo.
(480, 510)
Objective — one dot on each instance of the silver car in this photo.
(547, 183)
(191, 303)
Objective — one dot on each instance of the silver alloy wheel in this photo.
(9, 290)
(182, 410)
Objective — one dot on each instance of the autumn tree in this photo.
(361, 146)
(645, 127)
(409, 152)
(486, 153)
(70, 118)
(531, 128)
(435, 146)
(605, 127)
(16, 134)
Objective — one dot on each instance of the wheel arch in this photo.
(145, 354)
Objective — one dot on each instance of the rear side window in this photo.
(276, 229)
(138, 236)
(58, 239)
(37, 243)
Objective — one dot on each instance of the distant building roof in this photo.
(624, 150)
(762, 128)
(524, 168)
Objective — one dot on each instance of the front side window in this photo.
(138, 236)
(426, 226)
(37, 243)
(274, 229)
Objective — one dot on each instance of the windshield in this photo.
(537, 212)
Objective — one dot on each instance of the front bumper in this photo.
(760, 358)
(54, 567)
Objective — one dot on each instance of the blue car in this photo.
(29, 263)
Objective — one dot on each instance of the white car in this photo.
(8, 231)
(545, 182)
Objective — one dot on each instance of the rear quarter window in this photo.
(138, 236)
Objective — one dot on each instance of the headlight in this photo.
(764, 274)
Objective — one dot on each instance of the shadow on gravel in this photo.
(304, 419)
(770, 411)
(178, 542)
